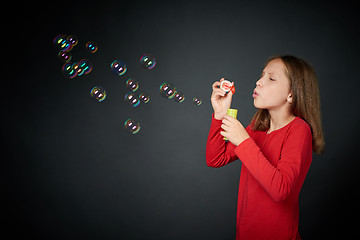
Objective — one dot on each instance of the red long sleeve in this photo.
(218, 152)
(274, 167)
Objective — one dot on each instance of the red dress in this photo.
(273, 170)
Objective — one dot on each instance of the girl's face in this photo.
(273, 88)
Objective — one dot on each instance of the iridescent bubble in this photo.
(132, 99)
(179, 97)
(91, 46)
(132, 126)
(59, 40)
(65, 46)
(85, 65)
(147, 61)
(68, 70)
(73, 40)
(197, 101)
(132, 84)
(144, 97)
(167, 90)
(77, 68)
(118, 67)
(64, 56)
(98, 93)
(62, 43)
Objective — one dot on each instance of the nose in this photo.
(259, 83)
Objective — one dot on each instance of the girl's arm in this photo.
(218, 152)
(295, 160)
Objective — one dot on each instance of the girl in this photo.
(275, 149)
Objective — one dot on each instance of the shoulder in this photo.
(299, 127)
(301, 124)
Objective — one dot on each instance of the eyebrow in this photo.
(263, 72)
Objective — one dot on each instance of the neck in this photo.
(279, 119)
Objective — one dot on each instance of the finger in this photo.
(216, 85)
(230, 94)
(229, 118)
(222, 79)
(225, 127)
(219, 92)
(226, 121)
(224, 133)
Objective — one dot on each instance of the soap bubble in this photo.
(61, 42)
(98, 93)
(147, 61)
(73, 40)
(144, 97)
(179, 97)
(59, 39)
(85, 65)
(64, 56)
(197, 101)
(65, 43)
(167, 90)
(65, 46)
(132, 84)
(76, 67)
(132, 99)
(132, 126)
(118, 67)
(68, 70)
(91, 46)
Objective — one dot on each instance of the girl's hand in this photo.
(234, 130)
(220, 101)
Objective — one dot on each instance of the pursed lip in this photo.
(255, 94)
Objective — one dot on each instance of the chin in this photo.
(257, 105)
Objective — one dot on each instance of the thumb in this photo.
(229, 94)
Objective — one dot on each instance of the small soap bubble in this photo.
(91, 46)
(144, 97)
(167, 90)
(68, 70)
(197, 101)
(59, 39)
(62, 43)
(78, 69)
(179, 97)
(65, 46)
(98, 93)
(132, 126)
(147, 61)
(118, 67)
(132, 99)
(64, 56)
(132, 84)
(85, 65)
(73, 40)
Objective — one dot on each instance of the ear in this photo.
(289, 98)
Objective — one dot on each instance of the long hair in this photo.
(305, 99)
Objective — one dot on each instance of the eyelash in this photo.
(272, 79)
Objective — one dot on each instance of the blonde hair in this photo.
(305, 99)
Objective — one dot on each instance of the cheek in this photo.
(271, 98)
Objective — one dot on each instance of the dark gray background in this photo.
(71, 170)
